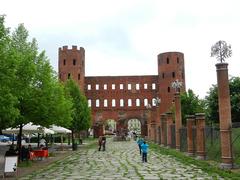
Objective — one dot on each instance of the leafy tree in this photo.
(191, 104)
(48, 103)
(80, 111)
(8, 100)
(212, 100)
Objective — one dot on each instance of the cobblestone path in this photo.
(121, 160)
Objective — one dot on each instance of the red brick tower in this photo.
(71, 63)
(170, 68)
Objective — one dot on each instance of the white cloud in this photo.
(126, 36)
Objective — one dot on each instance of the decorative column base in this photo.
(190, 154)
(200, 157)
(226, 166)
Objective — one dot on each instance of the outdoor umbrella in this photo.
(29, 128)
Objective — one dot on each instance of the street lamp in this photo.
(157, 101)
(177, 85)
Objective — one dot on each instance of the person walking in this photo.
(139, 142)
(99, 143)
(144, 148)
(104, 142)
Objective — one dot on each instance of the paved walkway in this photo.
(121, 160)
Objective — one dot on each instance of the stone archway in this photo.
(134, 125)
(110, 127)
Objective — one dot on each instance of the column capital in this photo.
(190, 116)
(200, 116)
(169, 113)
(222, 66)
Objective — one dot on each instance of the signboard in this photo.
(11, 164)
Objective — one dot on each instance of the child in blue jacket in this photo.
(144, 148)
(139, 142)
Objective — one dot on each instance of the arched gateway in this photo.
(122, 98)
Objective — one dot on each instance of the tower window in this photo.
(121, 102)
(97, 86)
(167, 60)
(105, 86)
(137, 86)
(177, 59)
(145, 86)
(64, 62)
(129, 86)
(97, 103)
(153, 86)
(145, 102)
(137, 102)
(69, 75)
(74, 62)
(89, 102)
(173, 74)
(113, 103)
(105, 103)
(163, 75)
(89, 87)
(168, 89)
(78, 76)
(113, 86)
(129, 102)
(121, 86)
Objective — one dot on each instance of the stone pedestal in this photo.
(153, 131)
(178, 119)
(169, 116)
(224, 115)
(200, 140)
(190, 124)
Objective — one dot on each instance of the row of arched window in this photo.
(121, 103)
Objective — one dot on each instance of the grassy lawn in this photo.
(208, 167)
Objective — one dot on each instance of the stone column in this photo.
(149, 124)
(190, 124)
(178, 119)
(169, 130)
(224, 115)
(163, 131)
(200, 140)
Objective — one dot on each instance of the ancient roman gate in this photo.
(121, 98)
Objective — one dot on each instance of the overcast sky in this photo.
(124, 37)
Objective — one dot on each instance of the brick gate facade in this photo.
(122, 98)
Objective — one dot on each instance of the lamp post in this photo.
(148, 107)
(178, 116)
(157, 102)
(222, 51)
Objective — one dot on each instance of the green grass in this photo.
(25, 164)
(204, 165)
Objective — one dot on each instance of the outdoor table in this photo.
(40, 153)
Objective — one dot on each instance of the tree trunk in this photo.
(73, 140)
(19, 142)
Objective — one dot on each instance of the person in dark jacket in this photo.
(11, 152)
(99, 143)
(104, 143)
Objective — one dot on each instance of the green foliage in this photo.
(30, 90)
(8, 100)
(80, 110)
(191, 104)
(212, 100)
